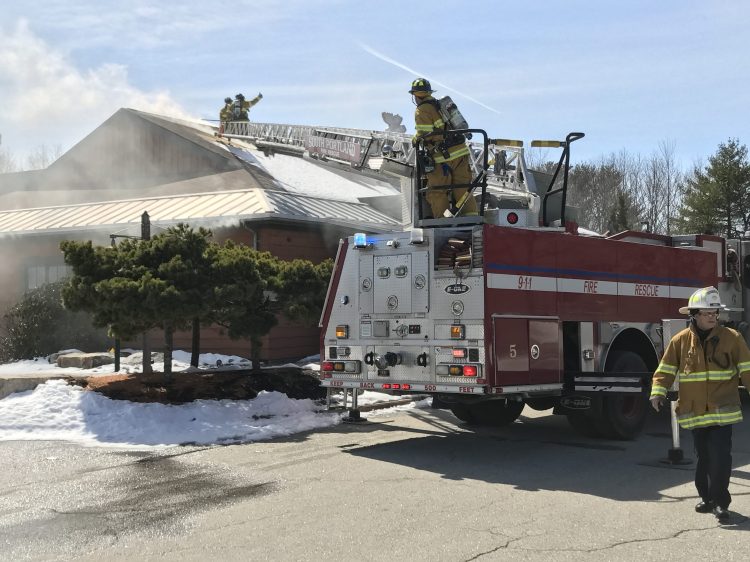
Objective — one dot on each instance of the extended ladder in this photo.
(375, 151)
(360, 148)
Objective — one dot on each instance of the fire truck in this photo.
(517, 306)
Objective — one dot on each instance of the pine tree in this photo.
(243, 301)
(717, 199)
(138, 285)
(179, 279)
(623, 215)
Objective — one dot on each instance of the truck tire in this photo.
(461, 411)
(624, 416)
(494, 413)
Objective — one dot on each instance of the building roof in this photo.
(179, 171)
(225, 208)
(130, 155)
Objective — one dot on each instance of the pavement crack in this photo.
(496, 549)
(508, 544)
(658, 539)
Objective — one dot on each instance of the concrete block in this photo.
(85, 360)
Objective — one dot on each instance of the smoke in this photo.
(397, 64)
(47, 100)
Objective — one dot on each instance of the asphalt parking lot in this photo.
(411, 485)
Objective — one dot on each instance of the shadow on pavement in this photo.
(543, 453)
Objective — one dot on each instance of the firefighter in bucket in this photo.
(447, 156)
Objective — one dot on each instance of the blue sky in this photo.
(628, 74)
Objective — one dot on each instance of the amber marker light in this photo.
(458, 331)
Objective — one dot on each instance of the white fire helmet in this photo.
(706, 298)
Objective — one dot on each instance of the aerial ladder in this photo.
(498, 164)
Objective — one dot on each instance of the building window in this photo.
(57, 273)
(38, 275)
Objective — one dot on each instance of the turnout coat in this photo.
(708, 376)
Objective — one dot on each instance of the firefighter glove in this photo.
(657, 402)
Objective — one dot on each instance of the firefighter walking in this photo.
(708, 361)
(449, 153)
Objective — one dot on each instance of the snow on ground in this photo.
(58, 411)
(305, 177)
(29, 366)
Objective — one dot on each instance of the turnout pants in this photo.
(453, 172)
(713, 446)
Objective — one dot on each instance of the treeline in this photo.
(38, 159)
(630, 191)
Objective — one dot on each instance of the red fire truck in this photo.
(517, 306)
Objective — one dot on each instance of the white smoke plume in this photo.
(46, 100)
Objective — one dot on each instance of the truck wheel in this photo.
(624, 416)
(461, 411)
(495, 413)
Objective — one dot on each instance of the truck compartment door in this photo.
(527, 351)
(511, 351)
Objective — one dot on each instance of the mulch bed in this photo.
(214, 385)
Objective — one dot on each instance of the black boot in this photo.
(721, 513)
(704, 506)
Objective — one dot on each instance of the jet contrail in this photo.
(397, 64)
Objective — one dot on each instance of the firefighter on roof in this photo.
(708, 360)
(240, 107)
(226, 112)
(449, 153)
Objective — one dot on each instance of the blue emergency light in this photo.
(360, 240)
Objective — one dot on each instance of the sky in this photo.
(630, 75)
(57, 411)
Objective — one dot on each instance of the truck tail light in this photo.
(458, 370)
(352, 366)
(470, 370)
(459, 352)
(512, 218)
(342, 332)
(405, 387)
(458, 331)
(342, 366)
